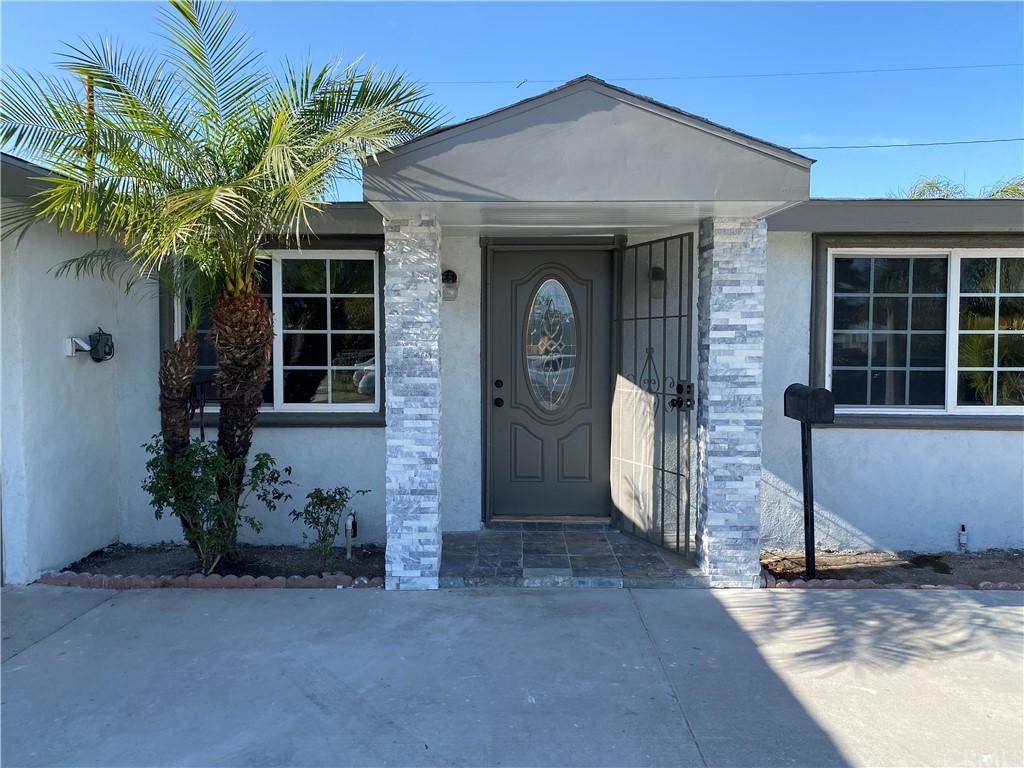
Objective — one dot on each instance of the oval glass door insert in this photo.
(550, 355)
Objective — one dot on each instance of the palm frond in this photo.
(938, 187)
(193, 154)
(1012, 189)
(113, 264)
(215, 63)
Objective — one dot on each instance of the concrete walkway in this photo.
(512, 677)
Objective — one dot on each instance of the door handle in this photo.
(498, 402)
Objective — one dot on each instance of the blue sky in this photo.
(546, 44)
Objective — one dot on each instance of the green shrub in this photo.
(199, 486)
(324, 513)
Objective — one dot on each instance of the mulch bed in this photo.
(987, 569)
(124, 566)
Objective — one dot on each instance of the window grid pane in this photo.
(882, 355)
(315, 348)
(990, 349)
(329, 336)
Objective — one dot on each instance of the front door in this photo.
(549, 382)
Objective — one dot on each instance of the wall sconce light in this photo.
(449, 285)
(100, 346)
(657, 277)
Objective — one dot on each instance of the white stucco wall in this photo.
(72, 430)
(461, 350)
(59, 423)
(319, 457)
(888, 489)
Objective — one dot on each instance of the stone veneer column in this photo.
(412, 380)
(730, 357)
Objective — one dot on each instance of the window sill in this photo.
(993, 422)
(276, 419)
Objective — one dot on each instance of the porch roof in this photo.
(587, 157)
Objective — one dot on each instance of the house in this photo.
(584, 307)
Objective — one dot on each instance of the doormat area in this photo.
(987, 569)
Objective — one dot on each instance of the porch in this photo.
(597, 242)
(545, 554)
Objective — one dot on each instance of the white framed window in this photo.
(327, 332)
(913, 330)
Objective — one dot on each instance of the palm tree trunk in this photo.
(242, 332)
(177, 372)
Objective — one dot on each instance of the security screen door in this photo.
(654, 392)
(549, 382)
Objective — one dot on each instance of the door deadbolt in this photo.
(498, 383)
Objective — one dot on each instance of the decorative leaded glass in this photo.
(551, 337)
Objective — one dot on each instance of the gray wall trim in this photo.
(327, 243)
(819, 330)
(166, 321)
(278, 419)
(353, 218)
(990, 423)
(901, 216)
(542, 244)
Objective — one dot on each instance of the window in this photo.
(326, 332)
(917, 330)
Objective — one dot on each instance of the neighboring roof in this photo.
(18, 177)
(604, 84)
(897, 215)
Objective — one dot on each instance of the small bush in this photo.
(324, 513)
(199, 485)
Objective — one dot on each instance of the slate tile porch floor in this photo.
(600, 557)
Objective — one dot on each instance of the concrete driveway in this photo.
(512, 677)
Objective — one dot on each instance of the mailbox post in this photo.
(809, 406)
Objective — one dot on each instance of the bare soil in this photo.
(970, 568)
(248, 560)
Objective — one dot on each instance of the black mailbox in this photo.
(810, 406)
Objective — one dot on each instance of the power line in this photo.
(914, 144)
(521, 81)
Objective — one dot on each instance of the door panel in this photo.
(549, 339)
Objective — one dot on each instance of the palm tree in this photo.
(191, 158)
(939, 187)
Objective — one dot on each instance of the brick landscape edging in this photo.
(770, 582)
(213, 581)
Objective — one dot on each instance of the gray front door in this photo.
(549, 382)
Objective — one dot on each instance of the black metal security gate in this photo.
(654, 393)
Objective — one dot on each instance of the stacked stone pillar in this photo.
(730, 358)
(412, 329)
